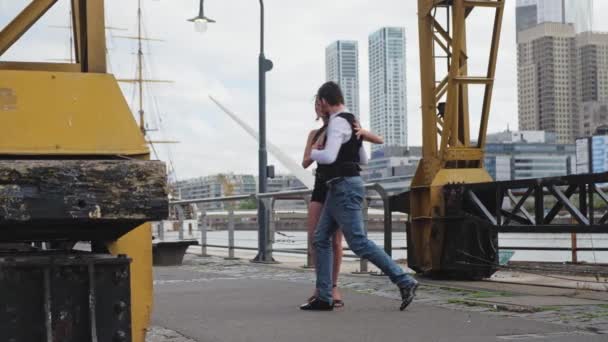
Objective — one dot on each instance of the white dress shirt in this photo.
(339, 131)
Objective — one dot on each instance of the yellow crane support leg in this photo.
(138, 246)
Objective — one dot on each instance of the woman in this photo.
(316, 139)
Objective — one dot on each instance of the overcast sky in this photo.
(223, 63)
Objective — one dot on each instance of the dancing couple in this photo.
(337, 202)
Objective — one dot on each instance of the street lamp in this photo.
(265, 65)
(201, 21)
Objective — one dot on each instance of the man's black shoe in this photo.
(407, 295)
(317, 305)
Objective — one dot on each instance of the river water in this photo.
(297, 240)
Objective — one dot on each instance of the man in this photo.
(343, 206)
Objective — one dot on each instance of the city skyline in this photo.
(223, 62)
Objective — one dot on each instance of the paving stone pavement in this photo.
(591, 318)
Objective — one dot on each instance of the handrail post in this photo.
(161, 230)
(363, 269)
(574, 244)
(363, 262)
(231, 233)
(271, 227)
(181, 216)
(574, 249)
(203, 228)
(309, 261)
(193, 217)
(388, 219)
(265, 247)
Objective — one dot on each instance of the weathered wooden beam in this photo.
(79, 199)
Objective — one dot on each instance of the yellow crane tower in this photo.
(448, 154)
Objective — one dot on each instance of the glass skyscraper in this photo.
(342, 67)
(387, 91)
(533, 12)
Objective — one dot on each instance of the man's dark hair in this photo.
(331, 93)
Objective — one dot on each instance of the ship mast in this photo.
(140, 79)
(140, 69)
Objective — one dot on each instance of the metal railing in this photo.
(203, 226)
(581, 196)
(272, 198)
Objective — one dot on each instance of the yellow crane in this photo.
(55, 115)
(448, 155)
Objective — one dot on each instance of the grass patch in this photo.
(592, 315)
(456, 301)
(493, 307)
(472, 304)
(465, 294)
(454, 289)
(486, 294)
(366, 291)
(549, 308)
(473, 294)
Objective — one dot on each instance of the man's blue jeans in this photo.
(343, 208)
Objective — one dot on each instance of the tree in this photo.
(249, 204)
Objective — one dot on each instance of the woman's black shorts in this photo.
(319, 193)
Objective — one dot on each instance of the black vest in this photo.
(347, 162)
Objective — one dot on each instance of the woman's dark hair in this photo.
(331, 93)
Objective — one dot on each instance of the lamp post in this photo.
(265, 65)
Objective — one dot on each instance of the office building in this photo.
(592, 154)
(579, 13)
(216, 186)
(394, 173)
(342, 67)
(593, 116)
(592, 82)
(546, 80)
(283, 183)
(388, 86)
(562, 80)
(522, 155)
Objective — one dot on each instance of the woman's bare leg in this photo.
(314, 213)
(337, 247)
